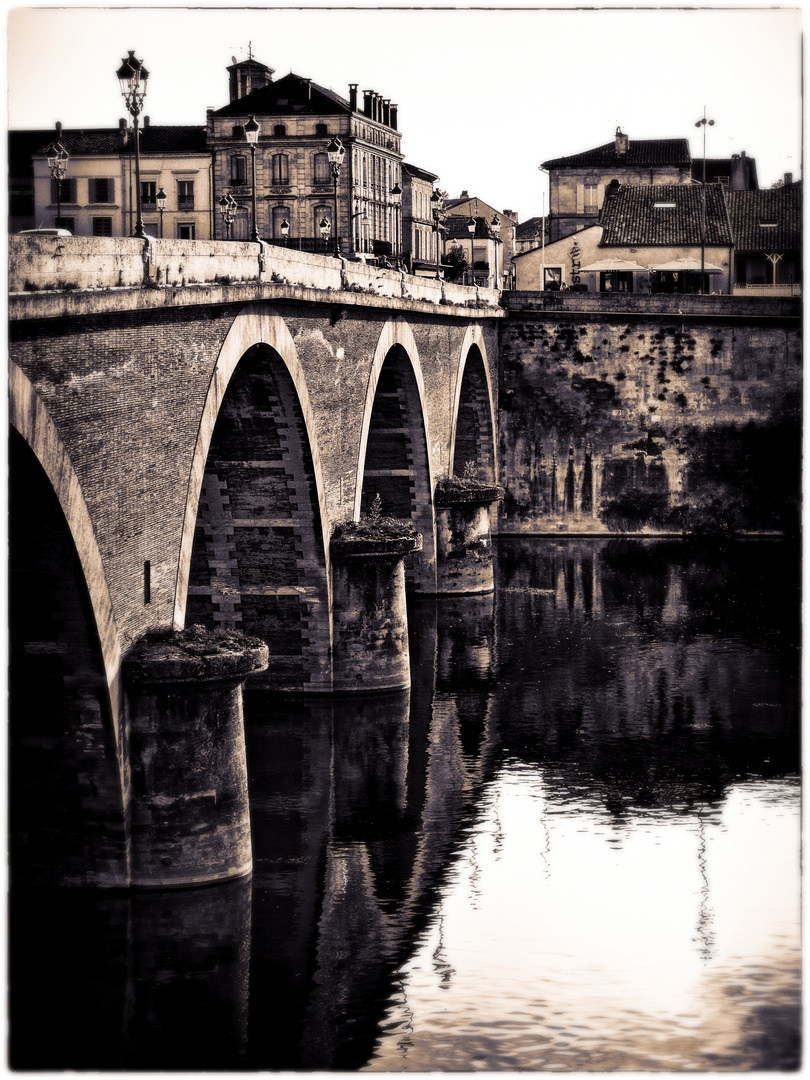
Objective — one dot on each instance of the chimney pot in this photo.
(788, 178)
(59, 129)
(394, 117)
(353, 96)
(146, 121)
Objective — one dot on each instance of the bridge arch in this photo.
(394, 459)
(473, 432)
(254, 550)
(68, 776)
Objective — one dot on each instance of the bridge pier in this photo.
(369, 613)
(464, 538)
(190, 820)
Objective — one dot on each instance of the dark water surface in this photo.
(573, 845)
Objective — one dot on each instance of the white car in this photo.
(45, 232)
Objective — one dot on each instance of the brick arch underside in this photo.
(257, 561)
(67, 821)
(396, 465)
(474, 437)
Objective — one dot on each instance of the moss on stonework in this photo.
(193, 641)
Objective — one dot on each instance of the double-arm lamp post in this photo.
(228, 207)
(132, 78)
(336, 152)
(57, 163)
(703, 122)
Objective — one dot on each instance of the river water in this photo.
(572, 846)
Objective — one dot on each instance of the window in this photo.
(66, 191)
(237, 132)
(322, 170)
(281, 169)
(185, 230)
(553, 276)
(321, 129)
(102, 226)
(238, 169)
(102, 190)
(590, 198)
(185, 194)
(149, 194)
(279, 130)
(664, 205)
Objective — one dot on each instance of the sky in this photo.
(485, 94)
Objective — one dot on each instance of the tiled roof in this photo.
(456, 229)
(289, 95)
(529, 229)
(748, 209)
(631, 216)
(639, 152)
(155, 139)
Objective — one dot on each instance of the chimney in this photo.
(367, 94)
(621, 142)
(387, 111)
(122, 131)
(353, 96)
(59, 129)
(146, 122)
(375, 106)
(394, 117)
(788, 178)
(465, 194)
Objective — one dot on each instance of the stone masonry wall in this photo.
(642, 420)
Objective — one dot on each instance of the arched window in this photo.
(238, 169)
(319, 212)
(281, 169)
(322, 171)
(279, 131)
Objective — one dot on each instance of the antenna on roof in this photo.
(241, 48)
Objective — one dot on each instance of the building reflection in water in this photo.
(605, 726)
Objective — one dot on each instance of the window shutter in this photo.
(580, 198)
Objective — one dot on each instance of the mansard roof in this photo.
(154, 139)
(420, 174)
(750, 213)
(639, 152)
(288, 96)
(667, 215)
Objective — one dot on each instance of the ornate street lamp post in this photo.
(495, 225)
(228, 207)
(57, 163)
(702, 123)
(396, 205)
(471, 231)
(335, 152)
(160, 199)
(252, 136)
(132, 78)
(437, 202)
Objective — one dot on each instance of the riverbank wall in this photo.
(649, 414)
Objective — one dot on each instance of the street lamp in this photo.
(252, 136)
(702, 123)
(495, 225)
(396, 195)
(57, 163)
(132, 78)
(471, 231)
(285, 230)
(160, 199)
(228, 207)
(325, 226)
(437, 205)
(335, 152)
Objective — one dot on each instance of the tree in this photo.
(457, 264)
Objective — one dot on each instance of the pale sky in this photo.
(485, 94)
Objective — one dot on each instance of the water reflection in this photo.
(572, 846)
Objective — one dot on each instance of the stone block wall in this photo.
(645, 420)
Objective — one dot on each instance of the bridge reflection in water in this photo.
(573, 844)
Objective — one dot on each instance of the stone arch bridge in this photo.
(183, 458)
